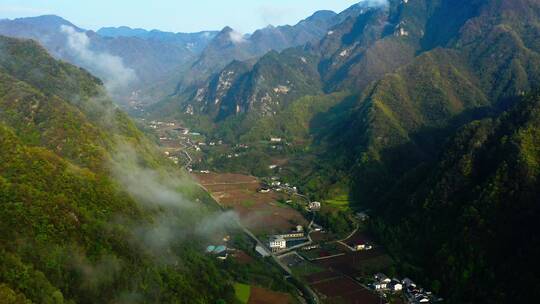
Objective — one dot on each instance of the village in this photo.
(283, 227)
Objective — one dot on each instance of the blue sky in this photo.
(173, 15)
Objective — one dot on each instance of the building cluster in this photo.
(276, 185)
(417, 295)
(154, 124)
(280, 242)
(413, 293)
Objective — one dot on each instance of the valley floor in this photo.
(332, 267)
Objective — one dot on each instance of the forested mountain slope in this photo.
(72, 229)
(467, 218)
(421, 77)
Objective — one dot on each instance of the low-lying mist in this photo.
(162, 193)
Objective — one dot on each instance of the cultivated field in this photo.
(358, 264)
(344, 290)
(260, 212)
(265, 296)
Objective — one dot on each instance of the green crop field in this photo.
(242, 292)
(339, 202)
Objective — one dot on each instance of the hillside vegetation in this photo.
(434, 134)
(72, 230)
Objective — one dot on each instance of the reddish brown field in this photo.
(362, 296)
(322, 237)
(345, 290)
(264, 296)
(337, 287)
(353, 264)
(321, 276)
(258, 211)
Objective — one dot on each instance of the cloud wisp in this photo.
(237, 37)
(177, 218)
(111, 68)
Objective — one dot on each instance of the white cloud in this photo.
(111, 68)
(176, 217)
(237, 37)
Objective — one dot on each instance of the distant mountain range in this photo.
(149, 60)
(160, 62)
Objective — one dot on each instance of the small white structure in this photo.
(314, 205)
(275, 139)
(277, 243)
(395, 286)
(299, 228)
(380, 285)
(292, 234)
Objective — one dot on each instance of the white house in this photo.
(360, 247)
(395, 286)
(275, 139)
(264, 190)
(315, 205)
(380, 285)
(277, 243)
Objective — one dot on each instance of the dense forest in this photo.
(71, 230)
(466, 218)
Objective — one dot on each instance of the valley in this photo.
(387, 152)
(336, 267)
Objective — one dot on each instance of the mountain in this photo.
(141, 67)
(358, 29)
(230, 45)
(402, 104)
(194, 41)
(130, 66)
(72, 228)
(463, 216)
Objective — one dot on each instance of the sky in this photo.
(173, 15)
